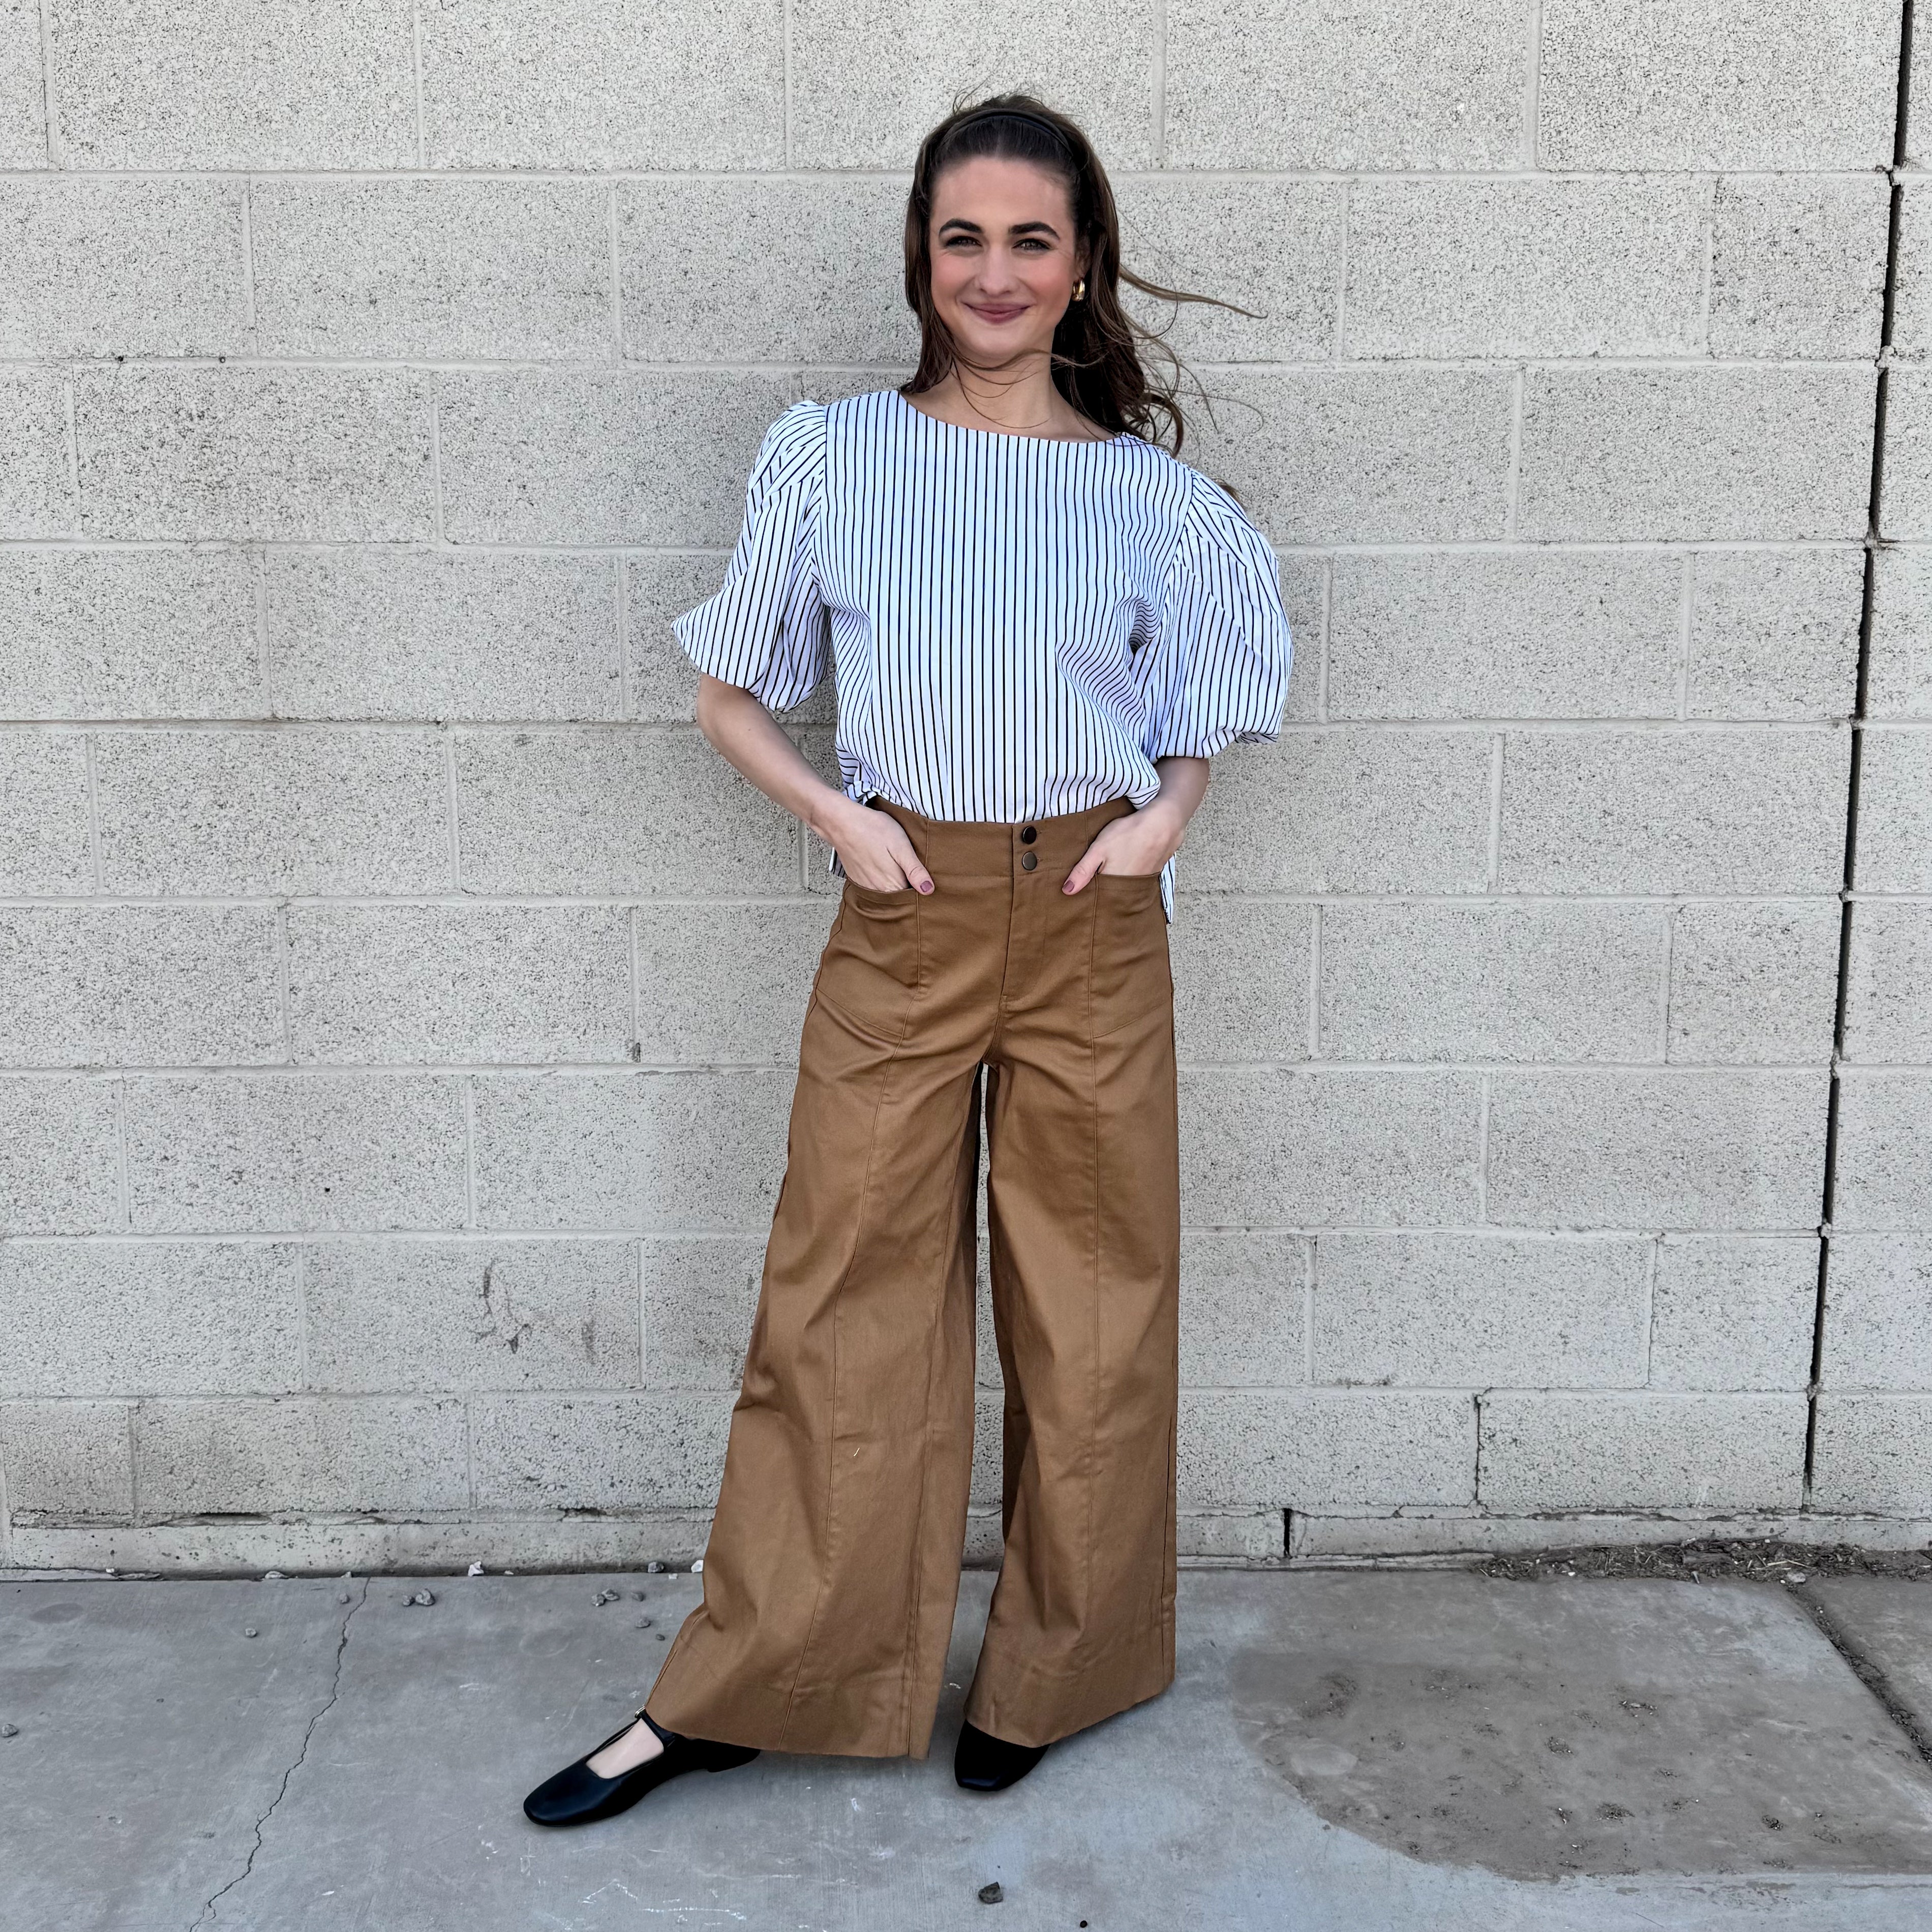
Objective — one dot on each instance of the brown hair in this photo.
(1100, 354)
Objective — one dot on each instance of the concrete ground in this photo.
(1349, 1750)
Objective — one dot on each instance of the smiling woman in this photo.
(1042, 625)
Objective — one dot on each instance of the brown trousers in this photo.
(833, 1568)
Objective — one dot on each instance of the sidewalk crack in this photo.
(203, 1917)
(1869, 1674)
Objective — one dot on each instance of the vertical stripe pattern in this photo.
(1017, 627)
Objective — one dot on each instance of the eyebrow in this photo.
(1018, 228)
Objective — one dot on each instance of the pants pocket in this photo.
(1131, 973)
(870, 968)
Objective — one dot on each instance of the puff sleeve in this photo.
(765, 627)
(1217, 671)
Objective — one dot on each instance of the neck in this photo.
(1021, 398)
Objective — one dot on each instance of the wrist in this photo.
(828, 814)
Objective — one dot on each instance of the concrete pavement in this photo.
(1341, 1750)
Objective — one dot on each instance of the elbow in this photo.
(714, 704)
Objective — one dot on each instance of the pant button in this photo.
(1028, 834)
(1028, 860)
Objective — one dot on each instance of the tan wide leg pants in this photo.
(833, 1565)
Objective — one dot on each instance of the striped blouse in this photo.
(1017, 626)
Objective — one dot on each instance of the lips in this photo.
(987, 314)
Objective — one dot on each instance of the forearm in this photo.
(1183, 784)
(749, 738)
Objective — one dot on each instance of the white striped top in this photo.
(1018, 626)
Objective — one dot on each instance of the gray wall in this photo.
(399, 996)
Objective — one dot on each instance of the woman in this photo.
(1042, 625)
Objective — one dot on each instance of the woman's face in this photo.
(1004, 257)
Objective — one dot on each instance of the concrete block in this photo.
(726, 983)
(23, 139)
(122, 267)
(405, 984)
(1264, 1147)
(36, 482)
(1753, 982)
(1347, 811)
(427, 634)
(442, 1317)
(1196, 234)
(1260, 1012)
(149, 1318)
(1899, 675)
(1889, 991)
(1471, 1311)
(1244, 1313)
(1725, 84)
(1733, 1311)
(361, 1151)
(1873, 1455)
(1512, 981)
(44, 846)
(287, 810)
(1905, 505)
(700, 1297)
(662, 1451)
(1704, 811)
(129, 634)
(73, 1460)
(1798, 265)
(806, 235)
(1359, 456)
(1620, 1452)
(1676, 1148)
(1296, 1449)
(453, 271)
(1613, 266)
(247, 1458)
(1535, 634)
(1689, 455)
(592, 457)
(1894, 849)
(1878, 1313)
(1912, 297)
(1774, 634)
(659, 1153)
(853, 106)
(634, 810)
(1267, 84)
(334, 455)
(281, 84)
(1884, 1172)
(60, 1157)
(600, 84)
(1304, 596)
(139, 985)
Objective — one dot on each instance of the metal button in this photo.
(1028, 834)
(1028, 860)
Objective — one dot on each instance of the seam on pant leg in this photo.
(1093, 1395)
(838, 1297)
(916, 1604)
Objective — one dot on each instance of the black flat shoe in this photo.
(577, 1794)
(984, 1763)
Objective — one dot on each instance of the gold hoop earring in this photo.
(1080, 289)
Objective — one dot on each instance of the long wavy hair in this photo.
(1115, 372)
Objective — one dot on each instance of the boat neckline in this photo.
(1013, 436)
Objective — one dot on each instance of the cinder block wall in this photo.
(398, 996)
